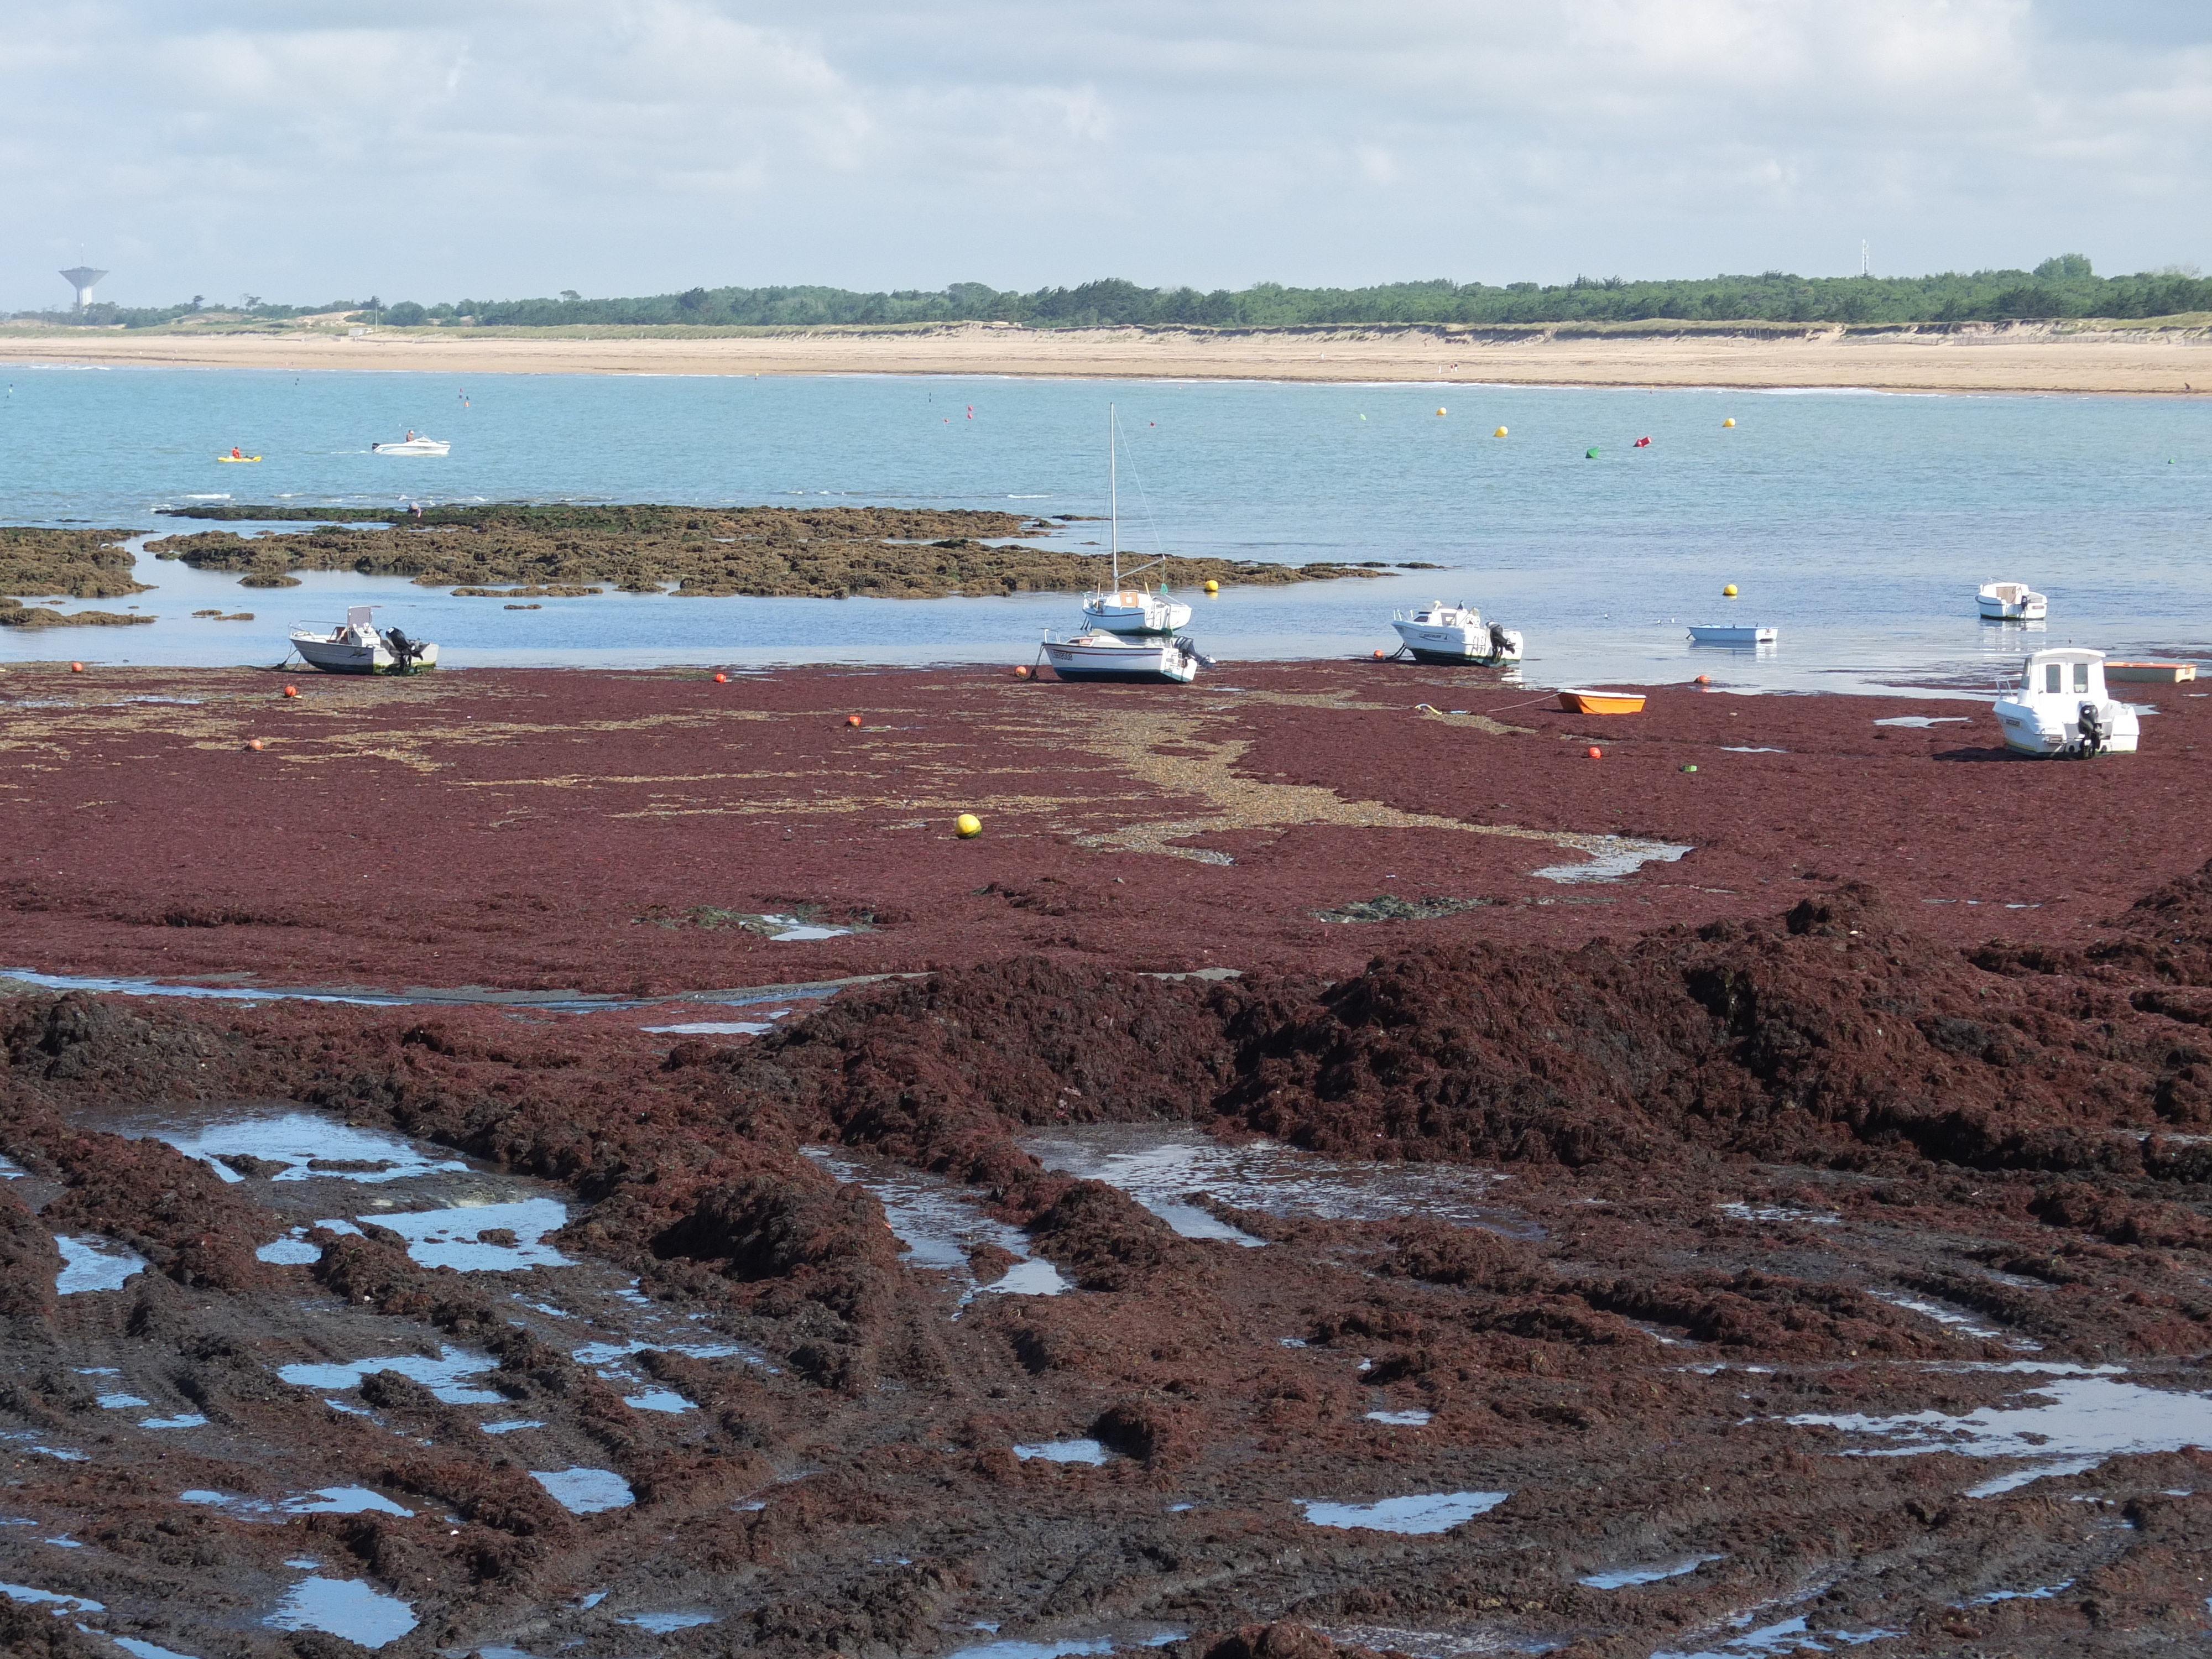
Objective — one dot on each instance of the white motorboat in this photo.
(1731, 634)
(359, 647)
(2060, 706)
(2011, 602)
(1443, 633)
(414, 444)
(1095, 654)
(1128, 609)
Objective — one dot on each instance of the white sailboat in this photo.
(1127, 610)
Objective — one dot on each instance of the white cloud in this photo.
(507, 147)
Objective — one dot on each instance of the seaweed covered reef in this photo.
(84, 564)
(1700, 1218)
(760, 552)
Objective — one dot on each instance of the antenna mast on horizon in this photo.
(1866, 259)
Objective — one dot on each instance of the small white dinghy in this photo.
(2061, 707)
(1731, 634)
(1441, 633)
(1096, 654)
(413, 444)
(2011, 602)
(359, 647)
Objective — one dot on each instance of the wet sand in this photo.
(2017, 358)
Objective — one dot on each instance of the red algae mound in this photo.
(1808, 1276)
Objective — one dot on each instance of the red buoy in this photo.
(291, 690)
(721, 679)
(253, 742)
(1643, 443)
(1022, 672)
(76, 668)
(1378, 653)
(1594, 752)
(852, 720)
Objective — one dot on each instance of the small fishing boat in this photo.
(2059, 706)
(2151, 673)
(359, 647)
(237, 459)
(1731, 634)
(1441, 633)
(1602, 703)
(2011, 602)
(1128, 609)
(413, 444)
(1096, 654)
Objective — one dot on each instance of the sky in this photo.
(303, 151)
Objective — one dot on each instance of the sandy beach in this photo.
(2023, 358)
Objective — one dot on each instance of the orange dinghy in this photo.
(1602, 703)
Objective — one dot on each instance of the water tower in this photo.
(82, 278)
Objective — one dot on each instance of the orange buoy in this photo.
(76, 668)
(253, 742)
(1378, 653)
(1702, 679)
(291, 690)
(852, 720)
(1594, 752)
(721, 679)
(1022, 672)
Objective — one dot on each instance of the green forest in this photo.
(2062, 287)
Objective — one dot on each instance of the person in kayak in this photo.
(235, 454)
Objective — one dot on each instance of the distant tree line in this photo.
(2062, 287)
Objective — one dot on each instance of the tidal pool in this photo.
(344, 1607)
(1428, 1512)
(93, 1263)
(300, 1141)
(586, 1491)
(940, 1222)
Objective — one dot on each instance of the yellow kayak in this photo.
(238, 458)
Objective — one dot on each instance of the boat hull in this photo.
(335, 657)
(2009, 602)
(2048, 733)
(414, 447)
(1602, 703)
(1466, 647)
(1125, 665)
(1730, 633)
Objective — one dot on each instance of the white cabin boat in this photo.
(1126, 610)
(1096, 654)
(359, 647)
(2011, 602)
(413, 444)
(1441, 633)
(2061, 707)
(1731, 634)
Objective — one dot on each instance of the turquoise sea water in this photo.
(1858, 524)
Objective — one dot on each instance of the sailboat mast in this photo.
(1112, 497)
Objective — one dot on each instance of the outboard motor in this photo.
(1499, 645)
(1183, 644)
(404, 651)
(2095, 731)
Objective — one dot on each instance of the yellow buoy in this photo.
(1729, 592)
(1729, 422)
(1499, 433)
(1440, 410)
(1213, 588)
(967, 826)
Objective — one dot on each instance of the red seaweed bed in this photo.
(1764, 1134)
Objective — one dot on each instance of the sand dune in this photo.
(2016, 359)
